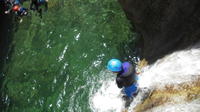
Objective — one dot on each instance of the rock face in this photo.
(163, 25)
(174, 94)
(6, 25)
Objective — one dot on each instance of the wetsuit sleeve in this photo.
(119, 82)
(131, 71)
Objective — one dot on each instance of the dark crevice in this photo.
(6, 34)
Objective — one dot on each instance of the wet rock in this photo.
(176, 94)
(6, 28)
(163, 25)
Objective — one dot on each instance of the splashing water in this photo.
(184, 107)
(107, 98)
(176, 68)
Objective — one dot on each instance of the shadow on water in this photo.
(129, 51)
(6, 34)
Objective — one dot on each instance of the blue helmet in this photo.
(114, 65)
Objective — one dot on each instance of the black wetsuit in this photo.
(36, 3)
(126, 77)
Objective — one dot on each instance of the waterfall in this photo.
(173, 69)
(176, 68)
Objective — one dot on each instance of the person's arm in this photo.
(131, 71)
(24, 12)
(8, 7)
(119, 82)
(8, 11)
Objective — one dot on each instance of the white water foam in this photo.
(193, 106)
(107, 98)
(176, 68)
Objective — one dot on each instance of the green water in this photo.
(56, 59)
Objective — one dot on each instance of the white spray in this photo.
(178, 67)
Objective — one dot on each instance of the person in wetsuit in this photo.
(20, 12)
(125, 79)
(10, 4)
(16, 7)
(35, 4)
